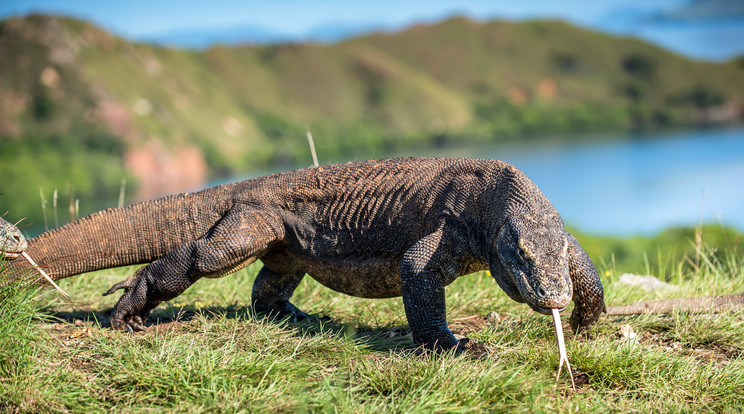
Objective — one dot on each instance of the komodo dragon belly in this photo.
(363, 262)
(360, 277)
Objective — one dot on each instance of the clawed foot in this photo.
(133, 308)
(130, 324)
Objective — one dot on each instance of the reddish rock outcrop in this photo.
(160, 171)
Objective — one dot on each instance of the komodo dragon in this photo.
(12, 242)
(375, 229)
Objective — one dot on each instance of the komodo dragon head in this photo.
(533, 252)
(12, 242)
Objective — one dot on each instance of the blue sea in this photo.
(639, 184)
(630, 184)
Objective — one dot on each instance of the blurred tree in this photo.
(640, 66)
(704, 96)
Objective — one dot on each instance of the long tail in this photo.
(138, 233)
(711, 304)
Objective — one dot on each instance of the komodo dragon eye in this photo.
(523, 256)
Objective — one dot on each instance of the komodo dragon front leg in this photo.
(237, 240)
(588, 294)
(426, 269)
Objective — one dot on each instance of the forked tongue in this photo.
(43, 273)
(561, 348)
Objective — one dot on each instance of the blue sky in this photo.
(141, 18)
(184, 20)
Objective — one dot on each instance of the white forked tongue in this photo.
(43, 273)
(561, 348)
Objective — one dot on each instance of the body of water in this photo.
(631, 184)
(639, 184)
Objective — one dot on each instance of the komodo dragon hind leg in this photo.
(271, 293)
(236, 240)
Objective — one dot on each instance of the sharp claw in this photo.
(130, 326)
(137, 323)
(112, 289)
(136, 327)
(561, 348)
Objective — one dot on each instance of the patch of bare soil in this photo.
(708, 353)
(475, 323)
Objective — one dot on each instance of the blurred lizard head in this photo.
(533, 254)
(12, 242)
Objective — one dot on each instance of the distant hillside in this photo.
(81, 108)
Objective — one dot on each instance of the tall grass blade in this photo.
(122, 191)
(312, 147)
(54, 204)
(43, 208)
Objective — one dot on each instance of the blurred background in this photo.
(628, 114)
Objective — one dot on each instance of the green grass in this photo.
(209, 353)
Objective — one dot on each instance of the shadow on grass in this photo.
(173, 319)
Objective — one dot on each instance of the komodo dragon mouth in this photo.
(546, 311)
(7, 255)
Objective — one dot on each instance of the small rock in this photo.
(646, 282)
(627, 333)
(492, 316)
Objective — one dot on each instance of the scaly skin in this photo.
(373, 229)
(12, 242)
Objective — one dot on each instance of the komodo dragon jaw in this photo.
(12, 242)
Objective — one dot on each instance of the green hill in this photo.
(81, 108)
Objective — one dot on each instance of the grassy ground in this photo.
(208, 353)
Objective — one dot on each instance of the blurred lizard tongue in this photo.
(561, 347)
(43, 273)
